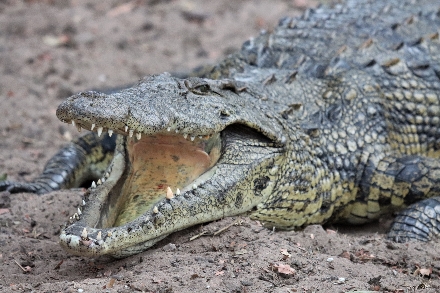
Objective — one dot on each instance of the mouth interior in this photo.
(158, 162)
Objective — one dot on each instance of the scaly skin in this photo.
(332, 117)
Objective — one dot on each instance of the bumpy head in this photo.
(162, 104)
(191, 150)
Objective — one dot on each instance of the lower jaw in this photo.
(94, 233)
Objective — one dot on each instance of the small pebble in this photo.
(330, 259)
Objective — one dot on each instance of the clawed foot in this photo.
(420, 221)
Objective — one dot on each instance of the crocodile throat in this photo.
(158, 162)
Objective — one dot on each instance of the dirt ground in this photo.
(51, 49)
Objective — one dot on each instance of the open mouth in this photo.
(156, 167)
(152, 168)
(161, 166)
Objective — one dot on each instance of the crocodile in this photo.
(331, 117)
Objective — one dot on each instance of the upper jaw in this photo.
(158, 104)
(164, 104)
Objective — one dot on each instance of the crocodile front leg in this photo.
(82, 160)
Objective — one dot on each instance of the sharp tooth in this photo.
(83, 203)
(169, 129)
(185, 135)
(155, 210)
(109, 234)
(99, 182)
(130, 133)
(194, 186)
(126, 128)
(93, 184)
(170, 194)
(177, 191)
(99, 237)
(107, 174)
(93, 126)
(102, 179)
(192, 138)
(110, 132)
(79, 212)
(73, 122)
(84, 233)
(100, 130)
(138, 135)
(177, 130)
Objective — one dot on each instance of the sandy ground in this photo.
(51, 49)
